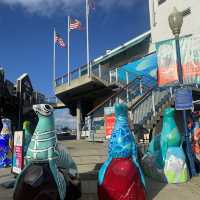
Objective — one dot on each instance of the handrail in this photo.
(114, 95)
(142, 98)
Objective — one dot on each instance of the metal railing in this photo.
(129, 94)
(126, 94)
(108, 76)
(75, 74)
(148, 105)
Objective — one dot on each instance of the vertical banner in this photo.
(190, 60)
(167, 63)
(109, 118)
(18, 159)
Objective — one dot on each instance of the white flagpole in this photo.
(54, 57)
(68, 63)
(87, 33)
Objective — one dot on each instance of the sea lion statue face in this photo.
(43, 109)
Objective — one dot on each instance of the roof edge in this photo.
(130, 42)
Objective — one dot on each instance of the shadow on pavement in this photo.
(153, 188)
(91, 175)
(66, 137)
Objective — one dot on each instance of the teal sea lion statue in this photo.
(165, 159)
(50, 172)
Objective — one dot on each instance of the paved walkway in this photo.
(89, 157)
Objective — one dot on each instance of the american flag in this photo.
(75, 24)
(59, 41)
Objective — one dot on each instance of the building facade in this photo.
(16, 100)
(161, 9)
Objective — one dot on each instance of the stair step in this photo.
(99, 132)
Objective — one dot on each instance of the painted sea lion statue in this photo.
(165, 159)
(5, 147)
(27, 136)
(120, 177)
(50, 172)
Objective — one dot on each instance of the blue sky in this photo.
(26, 37)
(26, 40)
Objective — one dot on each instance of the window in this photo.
(161, 1)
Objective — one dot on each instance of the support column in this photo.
(78, 120)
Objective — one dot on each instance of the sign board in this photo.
(18, 158)
(183, 99)
(190, 60)
(109, 118)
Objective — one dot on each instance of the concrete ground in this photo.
(89, 157)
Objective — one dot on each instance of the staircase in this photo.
(145, 101)
(148, 109)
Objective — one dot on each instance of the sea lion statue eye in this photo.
(47, 107)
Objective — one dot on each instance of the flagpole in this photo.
(68, 45)
(54, 58)
(87, 35)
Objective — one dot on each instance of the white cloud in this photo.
(63, 119)
(48, 7)
(43, 7)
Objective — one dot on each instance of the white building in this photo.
(161, 9)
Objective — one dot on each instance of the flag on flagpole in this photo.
(59, 41)
(90, 6)
(75, 24)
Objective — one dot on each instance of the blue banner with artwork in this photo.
(145, 66)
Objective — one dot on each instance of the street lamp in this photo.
(175, 22)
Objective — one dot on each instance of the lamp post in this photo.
(175, 22)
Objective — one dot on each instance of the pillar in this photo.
(78, 120)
